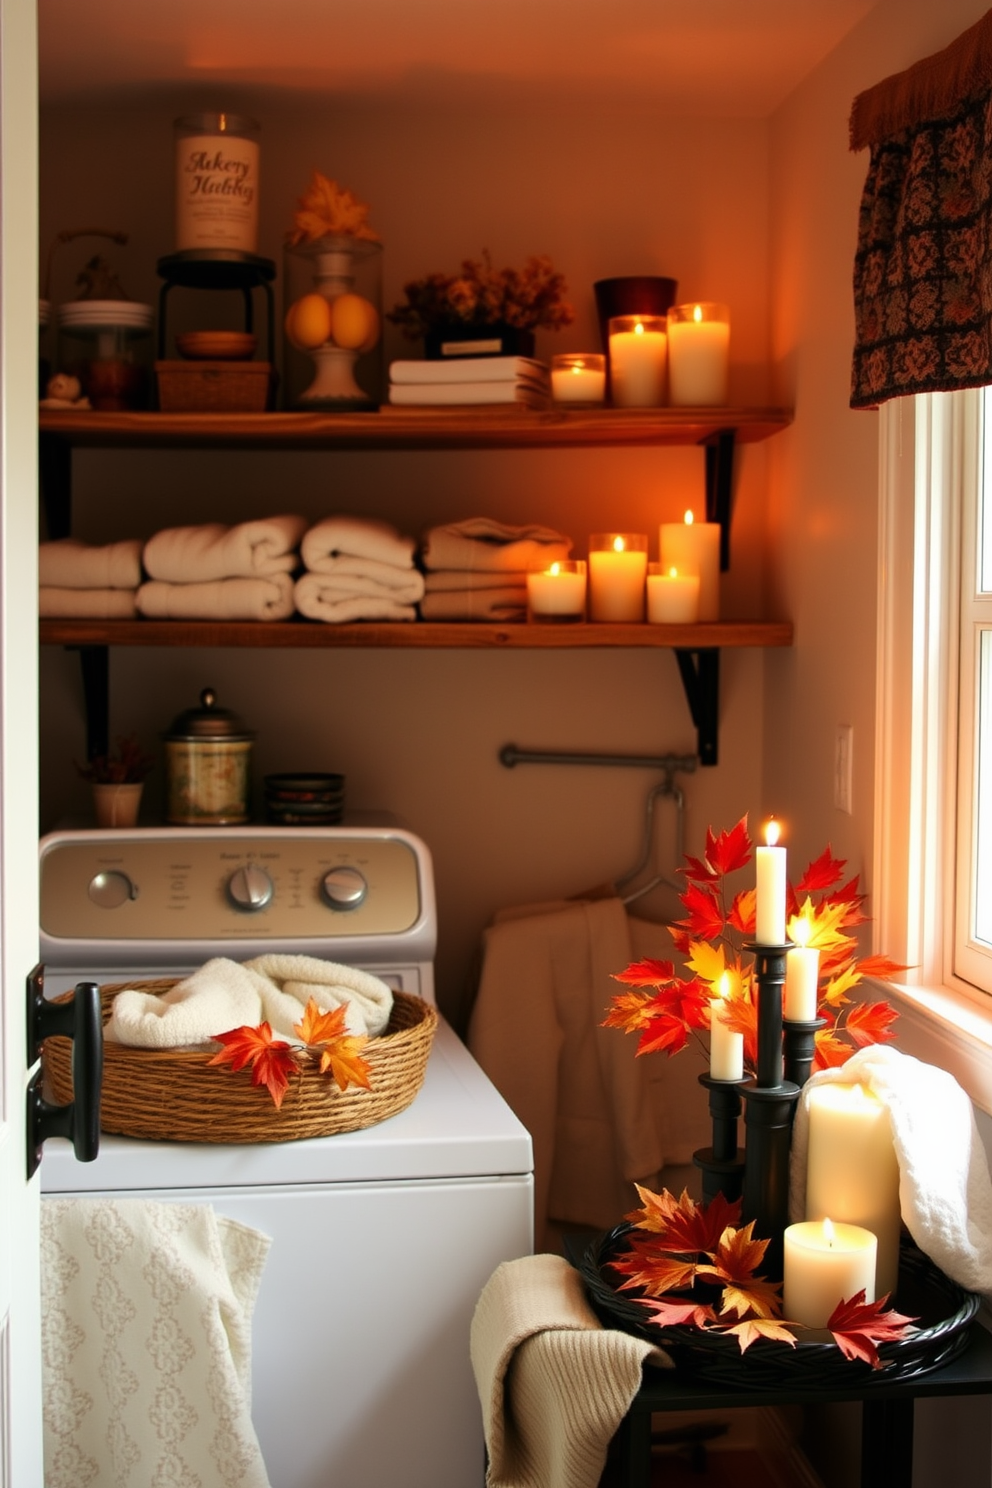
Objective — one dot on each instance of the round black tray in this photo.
(943, 1310)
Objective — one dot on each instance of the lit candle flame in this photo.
(828, 1232)
(673, 573)
(638, 329)
(618, 545)
(771, 832)
(800, 930)
(688, 519)
(723, 986)
(555, 568)
(697, 313)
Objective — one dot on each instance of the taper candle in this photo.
(802, 970)
(770, 872)
(726, 1046)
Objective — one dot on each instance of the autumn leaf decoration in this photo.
(329, 210)
(666, 1008)
(326, 1042)
(695, 1266)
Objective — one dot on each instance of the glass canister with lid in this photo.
(208, 766)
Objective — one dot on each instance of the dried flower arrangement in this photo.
(129, 766)
(665, 1008)
(327, 210)
(526, 299)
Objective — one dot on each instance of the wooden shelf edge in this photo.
(412, 428)
(415, 635)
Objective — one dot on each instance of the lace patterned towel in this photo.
(146, 1345)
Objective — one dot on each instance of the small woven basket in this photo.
(176, 1095)
(943, 1309)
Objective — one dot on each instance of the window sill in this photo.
(952, 1029)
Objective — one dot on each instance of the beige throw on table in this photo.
(196, 555)
(355, 537)
(268, 598)
(146, 1345)
(483, 543)
(553, 1383)
(70, 564)
(86, 604)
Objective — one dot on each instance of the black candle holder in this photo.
(800, 1046)
(771, 1100)
(722, 1168)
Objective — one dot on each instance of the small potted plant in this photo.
(117, 779)
(508, 305)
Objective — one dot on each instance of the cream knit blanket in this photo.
(554, 1384)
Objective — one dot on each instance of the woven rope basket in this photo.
(176, 1095)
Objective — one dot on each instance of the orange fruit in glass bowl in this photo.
(354, 322)
(308, 322)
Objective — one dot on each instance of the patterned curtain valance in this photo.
(923, 267)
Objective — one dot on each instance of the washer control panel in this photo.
(229, 885)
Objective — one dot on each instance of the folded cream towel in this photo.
(508, 603)
(554, 1384)
(195, 555)
(945, 1192)
(481, 542)
(269, 598)
(355, 537)
(69, 564)
(225, 994)
(86, 604)
(463, 578)
(146, 1344)
(318, 601)
(378, 580)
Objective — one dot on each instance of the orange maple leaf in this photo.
(316, 1027)
(646, 973)
(880, 967)
(648, 1265)
(830, 1051)
(682, 1224)
(735, 1261)
(272, 1060)
(749, 1330)
(675, 1314)
(628, 1010)
(870, 1023)
(858, 1325)
(742, 915)
(339, 1050)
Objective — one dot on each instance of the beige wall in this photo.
(604, 192)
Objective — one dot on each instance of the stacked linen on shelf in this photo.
(81, 582)
(215, 572)
(469, 381)
(357, 569)
(477, 569)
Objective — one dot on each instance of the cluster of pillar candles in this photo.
(681, 358)
(849, 1240)
(619, 585)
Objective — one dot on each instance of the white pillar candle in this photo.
(578, 377)
(694, 548)
(825, 1263)
(638, 356)
(216, 183)
(726, 1046)
(852, 1172)
(673, 598)
(698, 355)
(770, 872)
(802, 970)
(618, 565)
(559, 593)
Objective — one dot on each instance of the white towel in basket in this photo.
(225, 994)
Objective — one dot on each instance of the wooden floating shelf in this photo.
(413, 635)
(405, 429)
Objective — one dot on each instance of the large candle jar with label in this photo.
(207, 766)
(216, 183)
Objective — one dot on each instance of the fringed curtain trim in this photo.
(923, 267)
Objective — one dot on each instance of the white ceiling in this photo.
(732, 57)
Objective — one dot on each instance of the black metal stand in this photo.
(800, 1046)
(721, 1167)
(217, 268)
(768, 1116)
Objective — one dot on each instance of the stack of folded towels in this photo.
(215, 572)
(477, 570)
(82, 582)
(357, 569)
(512, 380)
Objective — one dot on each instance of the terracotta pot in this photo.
(117, 805)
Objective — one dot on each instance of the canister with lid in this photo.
(207, 766)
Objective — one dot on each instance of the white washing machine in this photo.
(403, 1222)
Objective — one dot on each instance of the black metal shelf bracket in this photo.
(719, 487)
(94, 662)
(700, 671)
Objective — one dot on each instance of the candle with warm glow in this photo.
(638, 357)
(726, 1046)
(698, 354)
(673, 598)
(802, 970)
(578, 377)
(694, 548)
(618, 565)
(825, 1263)
(559, 593)
(770, 870)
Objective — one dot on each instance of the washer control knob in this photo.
(111, 888)
(250, 888)
(344, 888)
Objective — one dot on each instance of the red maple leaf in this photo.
(627, 1010)
(646, 973)
(830, 1050)
(697, 869)
(850, 895)
(676, 1314)
(880, 967)
(730, 851)
(741, 1016)
(742, 913)
(663, 1032)
(693, 1229)
(272, 1060)
(858, 1326)
(823, 873)
(870, 1023)
(687, 1001)
(705, 919)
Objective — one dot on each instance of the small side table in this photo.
(218, 268)
(886, 1422)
